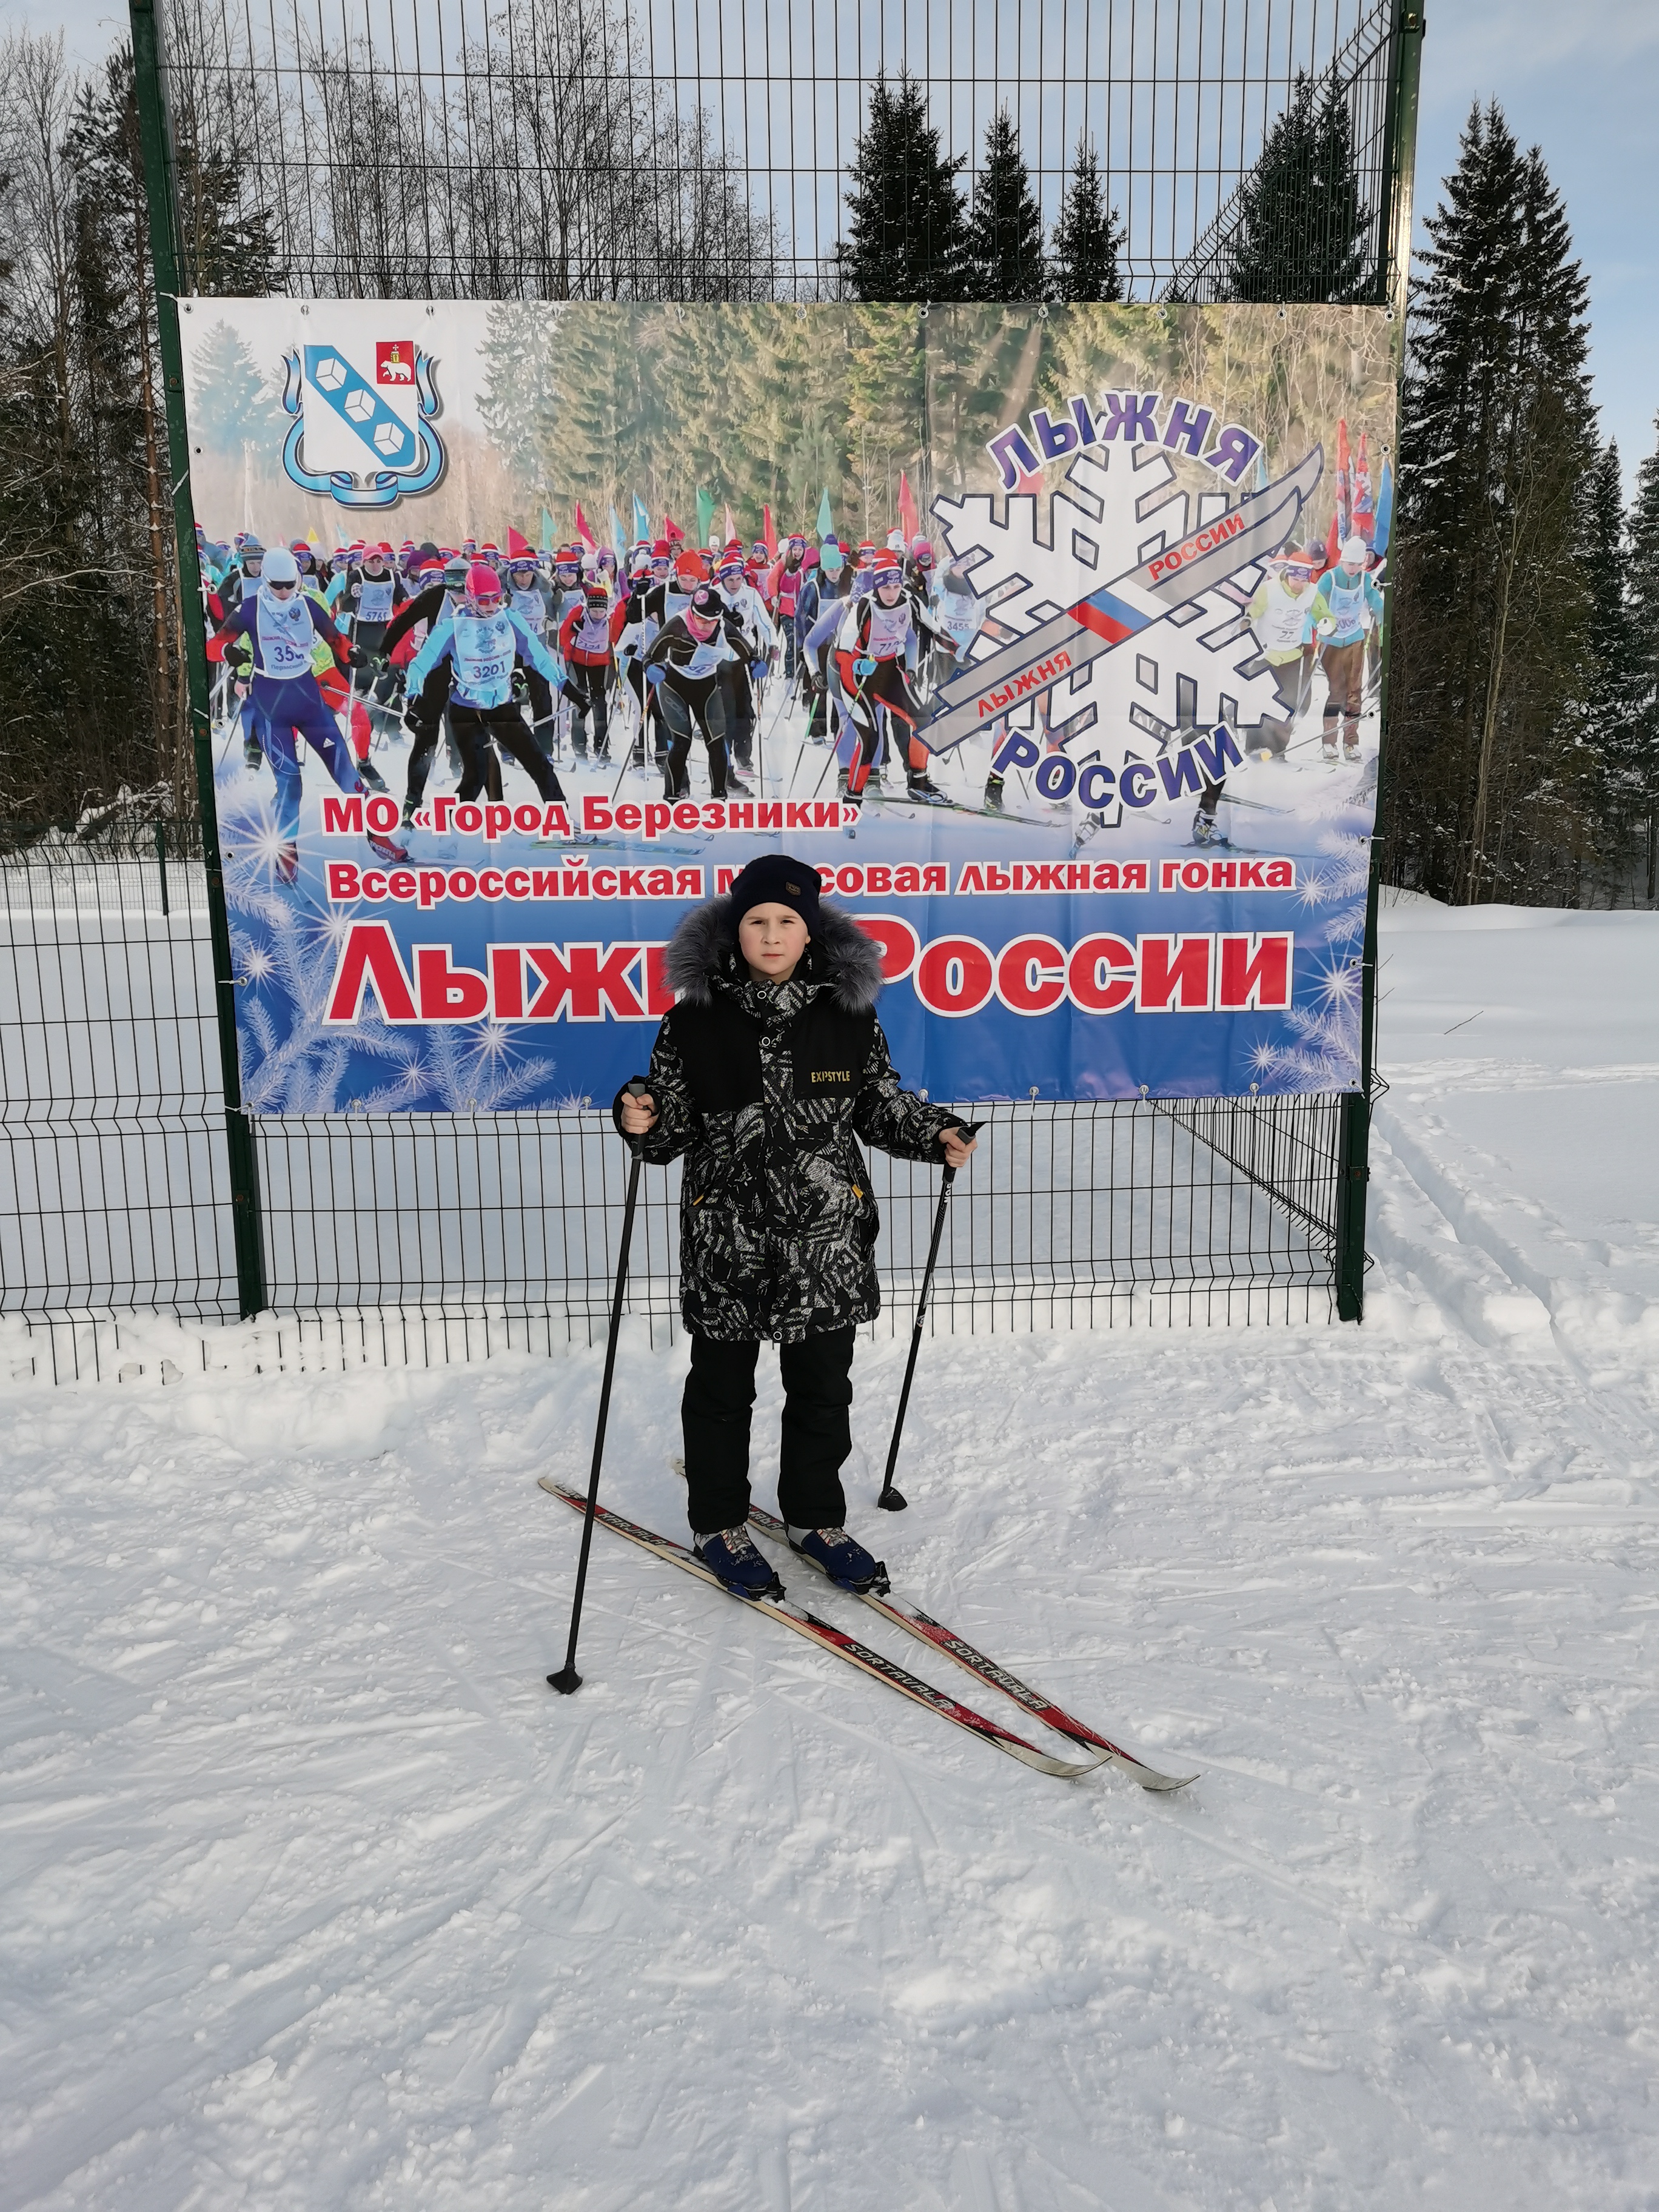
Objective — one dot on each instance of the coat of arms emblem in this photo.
(366, 440)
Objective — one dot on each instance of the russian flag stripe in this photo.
(1108, 616)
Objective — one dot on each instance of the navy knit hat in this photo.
(775, 879)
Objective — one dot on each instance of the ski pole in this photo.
(892, 1500)
(567, 1680)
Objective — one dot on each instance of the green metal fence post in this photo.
(161, 189)
(1394, 277)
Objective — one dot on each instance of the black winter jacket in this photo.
(765, 1088)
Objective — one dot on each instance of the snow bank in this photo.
(1522, 1047)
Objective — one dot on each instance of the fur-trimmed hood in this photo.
(844, 960)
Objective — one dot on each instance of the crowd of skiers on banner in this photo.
(508, 653)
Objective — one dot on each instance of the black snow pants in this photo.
(714, 1414)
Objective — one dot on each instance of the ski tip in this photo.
(1163, 1785)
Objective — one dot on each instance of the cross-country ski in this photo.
(828, 1638)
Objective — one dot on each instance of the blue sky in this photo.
(1581, 81)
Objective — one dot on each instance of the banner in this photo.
(1097, 768)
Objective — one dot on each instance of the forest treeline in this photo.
(1522, 727)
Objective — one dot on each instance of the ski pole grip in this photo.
(963, 1129)
(635, 1090)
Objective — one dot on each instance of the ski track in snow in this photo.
(312, 1895)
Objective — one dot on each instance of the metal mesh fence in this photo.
(699, 149)
(453, 1234)
(689, 149)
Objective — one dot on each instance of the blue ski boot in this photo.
(729, 1555)
(838, 1555)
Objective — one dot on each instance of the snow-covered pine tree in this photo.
(907, 228)
(1083, 253)
(1624, 777)
(1301, 229)
(1004, 227)
(1643, 538)
(1488, 790)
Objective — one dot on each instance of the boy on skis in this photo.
(764, 1076)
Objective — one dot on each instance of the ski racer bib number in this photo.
(962, 617)
(1348, 609)
(375, 600)
(890, 630)
(485, 649)
(1283, 622)
(286, 636)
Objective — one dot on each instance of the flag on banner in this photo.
(518, 546)
(1332, 543)
(768, 530)
(909, 520)
(705, 514)
(1344, 482)
(582, 530)
(312, 538)
(1384, 512)
(825, 526)
(1364, 506)
(731, 526)
(618, 542)
(548, 540)
(672, 531)
(642, 517)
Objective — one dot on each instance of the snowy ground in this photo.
(312, 1895)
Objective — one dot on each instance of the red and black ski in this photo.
(827, 1637)
(914, 1622)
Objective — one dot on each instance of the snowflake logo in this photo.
(1197, 665)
